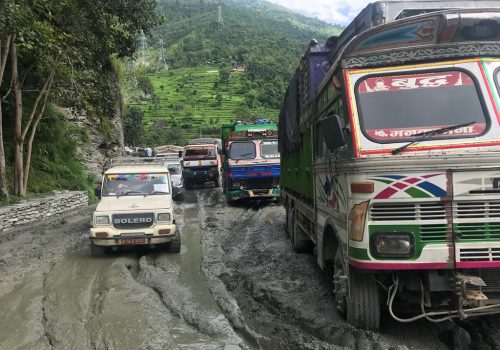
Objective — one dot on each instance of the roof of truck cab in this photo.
(208, 145)
(137, 169)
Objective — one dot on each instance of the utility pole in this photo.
(162, 57)
(220, 20)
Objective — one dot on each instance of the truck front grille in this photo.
(407, 211)
(136, 220)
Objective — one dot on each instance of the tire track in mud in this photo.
(178, 281)
(283, 298)
(212, 266)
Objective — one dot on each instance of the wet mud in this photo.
(236, 284)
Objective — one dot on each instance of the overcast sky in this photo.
(331, 11)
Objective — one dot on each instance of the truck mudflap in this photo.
(242, 194)
(472, 297)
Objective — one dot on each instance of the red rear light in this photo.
(164, 232)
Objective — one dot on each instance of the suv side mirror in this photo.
(97, 192)
(333, 132)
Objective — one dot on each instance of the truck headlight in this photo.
(387, 245)
(163, 217)
(101, 220)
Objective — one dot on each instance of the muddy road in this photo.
(235, 285)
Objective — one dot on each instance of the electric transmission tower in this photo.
(162, 57)
(220, 20)
(143, 49)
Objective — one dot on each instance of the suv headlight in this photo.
(101, 220)
(386, 245)
(176, 183)
(164, 217)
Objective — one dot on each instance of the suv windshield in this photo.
(269, 149)
(394, 108)
(242, 150)
(135, 184)
(198, 153)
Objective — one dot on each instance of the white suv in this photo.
(135, 209)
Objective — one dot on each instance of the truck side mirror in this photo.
(97, 192)
(333, 132)
(180, 154)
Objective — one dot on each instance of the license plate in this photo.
(133, 240)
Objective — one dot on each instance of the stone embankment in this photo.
(42, 208)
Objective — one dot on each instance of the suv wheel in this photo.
(96, 250)
(174, 246)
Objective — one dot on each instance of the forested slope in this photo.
(218, 71)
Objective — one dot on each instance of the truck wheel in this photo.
(174, 246)
(363, 306)
(288, 221)
(300, 243)
(96, 250)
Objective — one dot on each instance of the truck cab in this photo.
(200, 164)
(251, 162)
(136, 209)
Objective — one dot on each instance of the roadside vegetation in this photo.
(58, 54)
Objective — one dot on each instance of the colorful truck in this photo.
(201, 163)
(390, 159)
(251, 165)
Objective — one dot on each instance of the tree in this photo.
(5, 39)
(58, 42)
(133, 126)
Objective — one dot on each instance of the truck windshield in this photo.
(396, 107)
(269, 149)
(242, 150)
(135, 184)
(200, 153)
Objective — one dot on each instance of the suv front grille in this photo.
(136, 220)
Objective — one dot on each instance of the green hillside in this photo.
(198, 88)
(195, 100)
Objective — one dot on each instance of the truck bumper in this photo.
(240, 194)
(110, 236)
(200, 177)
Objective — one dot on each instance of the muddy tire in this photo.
(174, 246)
(188, 185)
(217, 181)
(289, 221)
(96, 250)
(300, 243)
(363, 306)
(181, 197)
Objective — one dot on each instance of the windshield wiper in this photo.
(428, 134)
(154, 192)
(126, 193)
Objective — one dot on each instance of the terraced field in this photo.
(193, 98)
